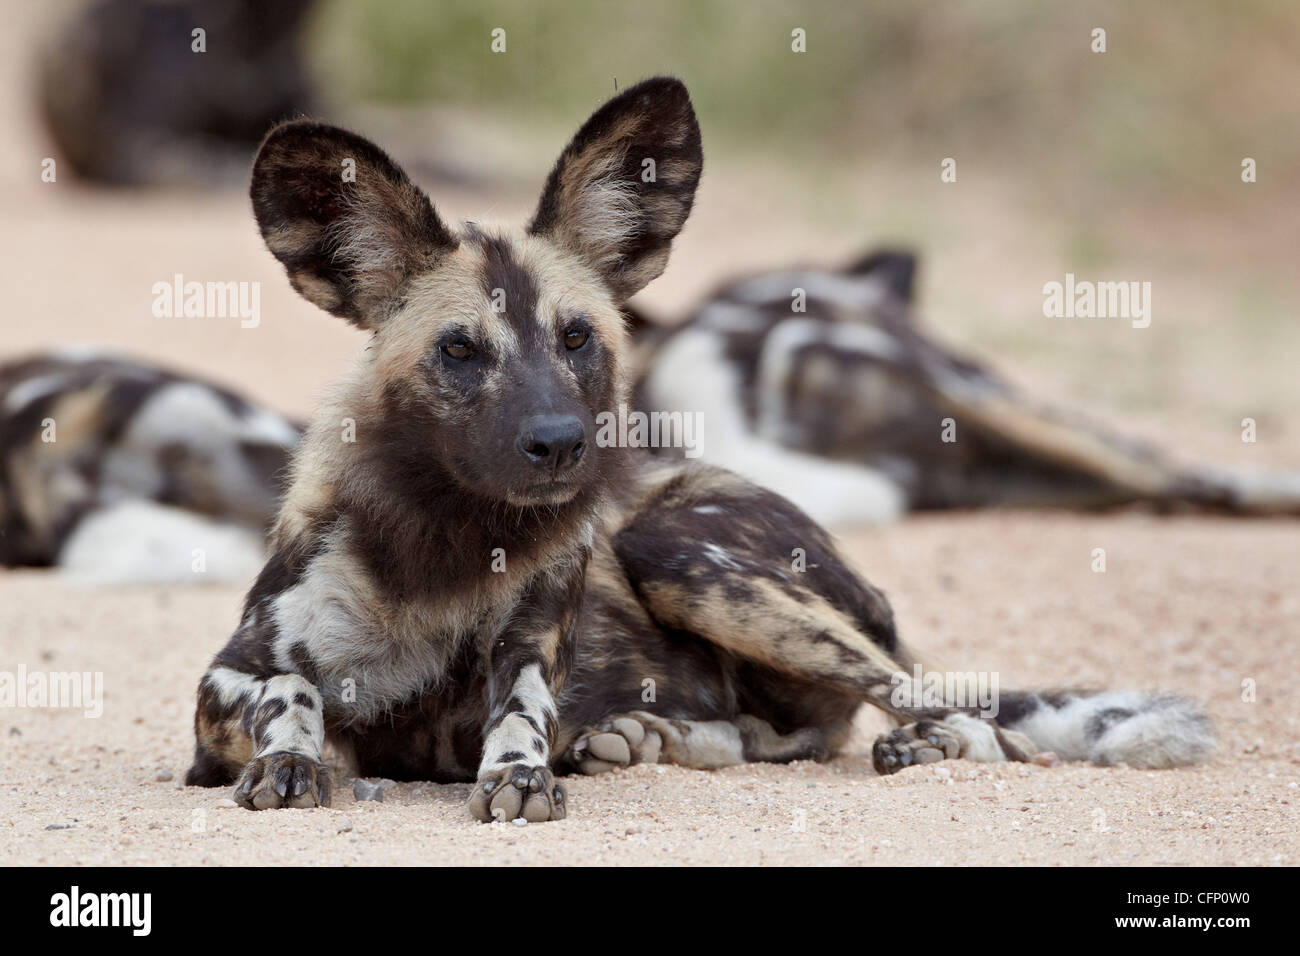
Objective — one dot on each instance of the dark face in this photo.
(520, 354)
(492, 353)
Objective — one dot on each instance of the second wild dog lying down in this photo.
(115, 471)
(843, 405)
(474, 590)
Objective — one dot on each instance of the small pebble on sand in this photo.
(368, 790)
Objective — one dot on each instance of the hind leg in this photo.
(642, 737)
(714, 556)
(711, 555)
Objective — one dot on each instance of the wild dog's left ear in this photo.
(622, 189)
(343, 218)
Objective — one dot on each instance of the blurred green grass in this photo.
(1183, 92)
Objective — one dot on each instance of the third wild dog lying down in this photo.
(475, 590)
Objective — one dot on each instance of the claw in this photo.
(283, 780)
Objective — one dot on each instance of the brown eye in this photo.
(459, 349)
(575, 339)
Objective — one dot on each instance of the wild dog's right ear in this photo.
(622, 189)
(346, 222)
(895, 268)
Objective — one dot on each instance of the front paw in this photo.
(283, 780)
(517, 791)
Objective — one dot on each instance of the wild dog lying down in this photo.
(473, 589)
(843, 407)
(116, 471)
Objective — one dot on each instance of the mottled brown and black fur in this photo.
(465, 585)
(93, 445)
(825, 386)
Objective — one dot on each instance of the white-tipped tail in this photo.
(1140, 729)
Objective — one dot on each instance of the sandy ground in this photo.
(1196, 605)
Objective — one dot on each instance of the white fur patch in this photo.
(1265, 491)
(515, 733)
(979, 739)
(721, 557)
(699, 744)
(140, 542)
(194, 416)
(233, 686)
(300, 729)
(692, 373)
(604, 214)
(729, 317)
(31, 389)
(365, 662)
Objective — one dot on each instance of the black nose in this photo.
(553, 442)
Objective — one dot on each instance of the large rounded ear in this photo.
(895, 268)
(348, 225)
(622, 189)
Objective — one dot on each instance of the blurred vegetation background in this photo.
(1182, 93)
(1123, 164)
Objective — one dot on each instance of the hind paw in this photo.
(922, 742)
(619, 742)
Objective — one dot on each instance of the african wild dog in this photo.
(127, 104)
(823, 386)
(473, 589)
(115, 471)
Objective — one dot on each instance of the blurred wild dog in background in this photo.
(841, 405)
(114, 471)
